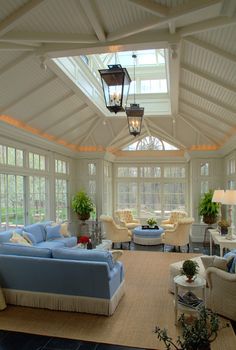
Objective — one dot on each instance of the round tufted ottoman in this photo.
(147, 236)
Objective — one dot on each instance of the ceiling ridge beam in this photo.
(205, 25)
(213, 100)
(151, 23)
(90, 12)
(108, 122)
(14, 63)
(52, 105)
(207, 113)
(211, 48)
(75, 127)
(67, 116)
(152, 7)
(198, 130)
(11, 21)
(208, 77)
(44, 37)
(28, 93)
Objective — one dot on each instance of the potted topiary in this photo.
(151, 222)
(190, 268)
(208, 209)
(82, 205)
(196, 336)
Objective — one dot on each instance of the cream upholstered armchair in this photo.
(125, 218)
(115, 233)
(221, 292)
(179, 235)
(175, 216)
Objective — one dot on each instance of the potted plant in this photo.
(208, 209)
(190, 268)
(82, 205)
(151, 222)
(195, 336)
(223, 225)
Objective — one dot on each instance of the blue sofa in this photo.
(57, 275)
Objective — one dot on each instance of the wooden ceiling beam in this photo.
(12, 64)
(152, 7)
(77, 127)
(96, 122)
(93, 19)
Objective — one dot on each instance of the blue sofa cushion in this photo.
(37, 230)
(50, 244)
(16, 249)
(53, 232)
(68, 241)
(6, 235)
(83, 255)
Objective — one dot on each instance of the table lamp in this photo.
(217, 198)
(229, 198)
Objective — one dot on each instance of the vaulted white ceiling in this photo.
(200, 36)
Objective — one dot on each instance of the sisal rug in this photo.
(147, 303)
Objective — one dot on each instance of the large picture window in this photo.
(151, 190)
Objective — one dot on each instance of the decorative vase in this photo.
(224, 230)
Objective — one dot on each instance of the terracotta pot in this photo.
(189, 279)
(83, 217)
(208, 219)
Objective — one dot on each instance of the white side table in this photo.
(180, 281)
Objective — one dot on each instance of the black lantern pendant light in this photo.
(134, 113)
(115, 84)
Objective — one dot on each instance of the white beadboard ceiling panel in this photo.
(204, 92)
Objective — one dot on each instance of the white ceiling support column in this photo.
(32, 91)
(93, 19)
(209, 77)
(15, 62)
(207, 97)
(12, 20)
(152, 7)
(207, 113)
(173, 14)
(174, 66)
(95, 125)
(211, 48)
(75, 127)
(65, 118)
(172, 27)
(46, 109)
(198, 130)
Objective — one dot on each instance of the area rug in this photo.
(146, 303)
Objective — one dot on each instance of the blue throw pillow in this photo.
(29, 237)
(53, 232)
(232, 261)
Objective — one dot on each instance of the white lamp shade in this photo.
(218, 196)
(229, 197)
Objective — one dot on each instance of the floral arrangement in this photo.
(84, 239)
(151, 222)
(223, 223)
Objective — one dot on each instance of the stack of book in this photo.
(189, 299)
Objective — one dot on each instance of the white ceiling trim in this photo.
(93, 19)
(152, 7)
(96, 122)
(14, 63)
